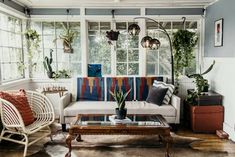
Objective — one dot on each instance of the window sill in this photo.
(12, 84)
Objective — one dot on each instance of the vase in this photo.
(50, 74)
(121, 113)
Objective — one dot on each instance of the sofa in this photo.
(90, 95)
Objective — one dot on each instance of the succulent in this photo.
(120, 98)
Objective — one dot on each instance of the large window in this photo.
(49, 31)
(126, 49)
(11, 55)
(159, 61)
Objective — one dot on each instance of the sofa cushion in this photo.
(90, 88)
(143, 85)
(156, 95)
(120, 83)
(169, 92)
(102, 107)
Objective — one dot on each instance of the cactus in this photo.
(47, 64)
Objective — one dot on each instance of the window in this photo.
(98, 47)
(11, 51)
(49, 31)
(126, 49)
(159, 61)
(127, 54)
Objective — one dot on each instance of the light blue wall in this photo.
(222, 9)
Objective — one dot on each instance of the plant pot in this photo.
(50, 74)
(67, 48)
(121, 114)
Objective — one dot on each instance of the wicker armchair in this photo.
(13, 124)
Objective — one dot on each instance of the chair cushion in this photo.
(19, 100)
(169, 92)
(156, 95)
(108, 107)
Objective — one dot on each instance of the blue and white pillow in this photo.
(169, 92)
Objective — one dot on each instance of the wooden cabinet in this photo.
(207, 115)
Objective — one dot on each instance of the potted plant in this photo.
(47, 65)
(67, 37)
(120, 98)
(183, 43)
(202, 85)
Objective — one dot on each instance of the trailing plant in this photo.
(33, 41)
(120, 98)
(47, 64)
(67, 36)
(183, 43)
(202, 84)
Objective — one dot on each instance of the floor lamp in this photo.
(152, 43)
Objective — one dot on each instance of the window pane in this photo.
(133, 69)
(121, 69)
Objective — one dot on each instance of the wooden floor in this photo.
(209, 142)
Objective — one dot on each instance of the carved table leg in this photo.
(168, 141)
(78, 138)
(68, 141)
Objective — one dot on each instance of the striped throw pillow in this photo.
(169, 92)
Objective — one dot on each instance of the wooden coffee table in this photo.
(146, 127)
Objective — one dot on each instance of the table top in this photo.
(150, 121)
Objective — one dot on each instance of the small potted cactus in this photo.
(47, 65)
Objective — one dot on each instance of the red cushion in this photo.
(19, 100)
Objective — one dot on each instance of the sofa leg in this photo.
(63, 127)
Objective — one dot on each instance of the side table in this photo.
(207, 115)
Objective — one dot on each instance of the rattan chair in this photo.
(13, 124)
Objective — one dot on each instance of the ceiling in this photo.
(114, 3)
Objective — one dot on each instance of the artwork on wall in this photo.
(219, 32)
(94, 70)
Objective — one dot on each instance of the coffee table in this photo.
(152, 125)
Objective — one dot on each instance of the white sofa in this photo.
(69, 109)
(82, 102)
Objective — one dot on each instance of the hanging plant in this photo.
(67, 36)
(183, 43)
(32, 41)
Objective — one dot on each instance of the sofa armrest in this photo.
(175, 101)
(64, 101)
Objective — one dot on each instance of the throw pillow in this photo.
(169, 92)
(156, 95)
(19, 100)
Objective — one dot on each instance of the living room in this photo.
(77, 68)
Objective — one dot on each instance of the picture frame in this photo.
(218, 32)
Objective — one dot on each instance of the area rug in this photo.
(109, 146)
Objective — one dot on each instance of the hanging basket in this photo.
(112, 35)
(67, 48)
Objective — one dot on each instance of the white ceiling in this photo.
(114, 3)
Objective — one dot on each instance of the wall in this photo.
(222, 76)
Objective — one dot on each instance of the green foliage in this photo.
(62, 74)
(47, 62)
(201, 84)
(33, 40)
(67, 36)
(120, 98)
(183, 43)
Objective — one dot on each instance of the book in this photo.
(113, 119)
